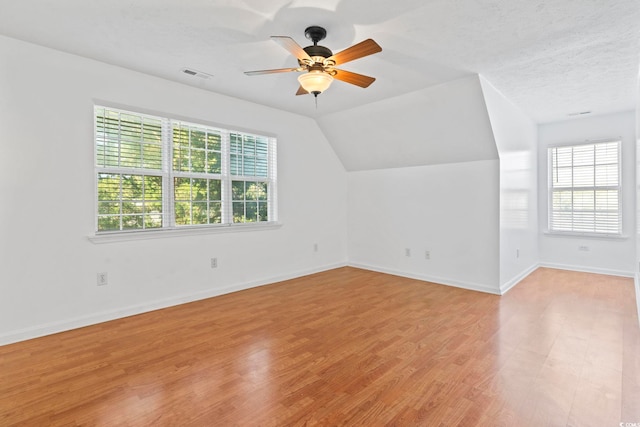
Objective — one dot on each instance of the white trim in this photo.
(585, 235)
(126, 236)
(586, 142)
(637, 286)
(431, 279)
(506, 287)
(105, 316)
(583, 269)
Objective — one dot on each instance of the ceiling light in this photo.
(315, 82)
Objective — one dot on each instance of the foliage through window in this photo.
(156, 172)
(584, 188)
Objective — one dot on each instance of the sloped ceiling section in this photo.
(447, 123)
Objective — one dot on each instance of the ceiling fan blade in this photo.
(354, 78)
(364, 48)
(301, 91)
(294, 48)
(277, 70)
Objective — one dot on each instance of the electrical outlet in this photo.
(407, 252)
(214, 262)
(102, 279)
(517, 253)
(315, 247)
(427, 254)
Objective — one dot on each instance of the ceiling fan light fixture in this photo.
(317, 63)
(315, 82)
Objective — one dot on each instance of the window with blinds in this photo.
(584, 188)
(249, 158)
(157, 173)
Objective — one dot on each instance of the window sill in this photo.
(585, 235)
(125, 236)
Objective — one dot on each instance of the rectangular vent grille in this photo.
(196, 73)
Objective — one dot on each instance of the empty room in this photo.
(304, 212)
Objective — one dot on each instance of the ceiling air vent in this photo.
(196, 73)
(580, 113)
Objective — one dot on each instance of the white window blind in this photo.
(129, 170)
(197, 174)
(156, 172)
(584, 188)
(250, 166)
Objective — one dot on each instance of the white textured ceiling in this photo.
(551, 58)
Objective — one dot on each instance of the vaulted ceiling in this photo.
(551, 58)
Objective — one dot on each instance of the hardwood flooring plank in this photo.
(345, 347)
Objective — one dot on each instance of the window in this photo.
(584, 188)
(158, 173)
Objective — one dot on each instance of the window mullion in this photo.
(168, 202)
(552, 163)
(272, 207)
(121, 203)
(573, 207)
(227, 216)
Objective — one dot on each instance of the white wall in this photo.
(423, 176)
(451, 210)
(516, 137)
(47, 265)
(447, 123)
(609, 256)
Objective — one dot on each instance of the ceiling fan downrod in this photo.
(315, 34)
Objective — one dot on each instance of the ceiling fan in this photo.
(318, 62)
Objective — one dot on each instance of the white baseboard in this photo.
(584, 269)
(636, 280)
(82, 321)
(433, 279)
(105, 316)
(517, 279)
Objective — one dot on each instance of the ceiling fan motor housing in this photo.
(317, 50)
(315, 34)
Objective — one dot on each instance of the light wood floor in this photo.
(346, 347)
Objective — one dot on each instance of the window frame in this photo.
(169, 174)
(619, 188)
